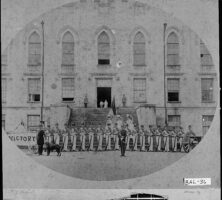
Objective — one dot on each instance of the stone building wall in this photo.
(121, 20)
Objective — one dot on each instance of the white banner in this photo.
(23, 139)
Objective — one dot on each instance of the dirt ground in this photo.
(107, 165)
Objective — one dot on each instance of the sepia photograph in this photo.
(104, 90)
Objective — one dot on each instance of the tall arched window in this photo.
(34, 50)
(205, 57)
(68, 52)
(173, 57)
(139, 50)
(103, 49)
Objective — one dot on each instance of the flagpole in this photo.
(164, 63)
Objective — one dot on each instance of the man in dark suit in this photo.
(40, 139)
(122, 140)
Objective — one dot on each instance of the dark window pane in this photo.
(36, 97)
(173, 96)
(103, 62)
(67, 99)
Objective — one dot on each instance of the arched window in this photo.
(68, 52)
(205, 57)
(139, 50)
(34, 50)
(173, 59)
(103, 49)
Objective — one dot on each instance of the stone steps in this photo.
(96, 116)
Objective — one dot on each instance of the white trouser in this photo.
(56, 138)
(65, 142)
(83, 139)
(142, 142)
(158, 139)
(133, 137)
(73, 141)
(106, 139)
(100, 139)
(174, 141)
(116, 142)
(109, 141)
(166, 142)
(91, 140)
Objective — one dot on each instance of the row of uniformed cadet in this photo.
(153, 139)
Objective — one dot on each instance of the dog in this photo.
(51, 147)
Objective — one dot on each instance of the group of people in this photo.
(103, 104)
(119, 135)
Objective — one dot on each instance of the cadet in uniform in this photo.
(142, 139)
(180, 135)
(122, 140)
(130, 135)
(165, 135)
(172, 139)
(66, 135)
(186, 139)
(99, 138)
(57, 134)
(82, 138)
(119, 122)
(91, 139)
(115, 134)
(73, 134)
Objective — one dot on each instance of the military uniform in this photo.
(100, 138)
(91, 139)
(57, 135)
(141, 139)
(172, 140)
(156, 139)
(115, 134)
(40, 141)
(187, 141)
(107, 135)
(73, 135)
(82, 138)
(130, 135)
(165, 136)
(122, 141)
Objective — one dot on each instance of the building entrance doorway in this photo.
(103, 93)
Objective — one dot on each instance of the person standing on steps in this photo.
(86, 101)
(105, 104)
(101, 104)
(124, 100)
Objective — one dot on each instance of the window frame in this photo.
(205, 52)
(173, 91)
(174, 67)
(206, 126)
(30, 96)
(29, 64)
(62, 89)
(67, 68)
(144, 64)
(168, 121)
(104, 62)
(145, 90)
(209, 90)
(37, 126)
